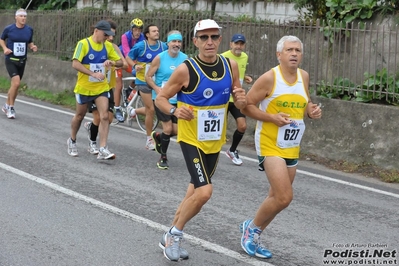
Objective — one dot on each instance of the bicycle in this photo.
(129, 98)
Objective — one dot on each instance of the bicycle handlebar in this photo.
(129, 78)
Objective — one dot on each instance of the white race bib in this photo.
(96, 68)
(210, 124)
(19, 49)
(290, 136)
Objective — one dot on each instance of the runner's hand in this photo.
(281, 119)
(184, 113)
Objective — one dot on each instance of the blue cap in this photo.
(238, 38)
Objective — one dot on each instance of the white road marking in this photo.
(323, 177)
(208, 245)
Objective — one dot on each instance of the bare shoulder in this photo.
(304, 74)
(266, 80)
(181, 75)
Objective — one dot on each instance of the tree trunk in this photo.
(125, 6)
(213, 8)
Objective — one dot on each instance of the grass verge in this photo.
(65, 98)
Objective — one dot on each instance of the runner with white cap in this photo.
(203, 85)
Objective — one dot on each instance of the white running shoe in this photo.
(5, 109)
(234, 157)
(150, 145)
(72, 148)
(93, 147)
(105, 154)
(11, 113)
(131, 112)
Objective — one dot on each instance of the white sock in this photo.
(253, 226)
(117, 107)
(175, 231)
(133, 112)
(149, 137)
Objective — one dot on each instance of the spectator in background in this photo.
(236, 52)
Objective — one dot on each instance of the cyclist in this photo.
(92, 127)
(237, 45)
(128, 40)
(162, 67)
(143, 53)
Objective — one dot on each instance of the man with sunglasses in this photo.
(15, 40)
(128, 40)
(236, 52)
(203, 85)
(92, 58)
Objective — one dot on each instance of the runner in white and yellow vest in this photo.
(283, 98)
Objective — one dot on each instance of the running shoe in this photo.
(72, 148)
(172, 246)
(234, 157)
(11, 113)
(119, 115)
(131, 110)
(105, 154)
(87, 126)
(255, 244)
(262, 252)
(163, 163)
(247, 238)
(183, 252)
(93, 147)
(5, 108)
(150, 144)
(157, 140)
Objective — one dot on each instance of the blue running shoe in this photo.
(247, 239)
(261, 251)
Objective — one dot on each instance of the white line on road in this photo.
(243, 157)
(207, 245)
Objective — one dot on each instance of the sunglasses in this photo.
(206, 37)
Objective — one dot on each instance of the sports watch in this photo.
(172, 110)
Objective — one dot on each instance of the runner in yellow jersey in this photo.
(236, 52)
(92, 127)
(92, 56)
(203, 85)
(279, 100)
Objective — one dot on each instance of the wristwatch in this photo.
(172, 110)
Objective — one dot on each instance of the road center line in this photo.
(323, 177)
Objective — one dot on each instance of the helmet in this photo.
(137, 23)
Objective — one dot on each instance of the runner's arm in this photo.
(151, 72)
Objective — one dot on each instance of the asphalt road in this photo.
(59, 210)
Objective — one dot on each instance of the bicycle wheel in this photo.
(141, 118)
